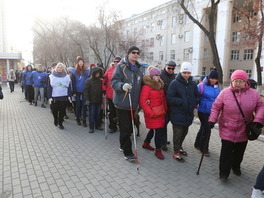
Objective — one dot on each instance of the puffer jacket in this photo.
(208, 96)
(124, 74)
(231, 124)
(92, 90)
(107, 82)
(152, 95)
(183, 97)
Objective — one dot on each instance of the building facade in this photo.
(166, 33)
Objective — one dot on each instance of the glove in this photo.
(50, 100)
(211, 124)
(126, 87)
(258, 125)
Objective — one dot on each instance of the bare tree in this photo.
(252, 16)
(209, 32)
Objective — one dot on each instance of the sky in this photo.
(21, 13)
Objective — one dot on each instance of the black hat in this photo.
(131, 49)
(213, 74)
(171, 63)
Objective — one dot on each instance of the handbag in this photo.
(159, 110)
(252, 130)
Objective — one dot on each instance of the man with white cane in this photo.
(127, 79)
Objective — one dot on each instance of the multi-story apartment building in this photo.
(166, 33)
(8, 58)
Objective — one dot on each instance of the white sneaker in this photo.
(256, 193)
(121, 150)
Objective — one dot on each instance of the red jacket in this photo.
(152, 95)
(106, 84)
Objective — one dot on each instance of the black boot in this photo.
(78, 121)
(91, 129)
(61, 126)
(84, 123)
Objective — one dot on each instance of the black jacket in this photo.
(166, 78)
(92, 90)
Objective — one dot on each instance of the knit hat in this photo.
(79, 58)
(153, 71)
(131, 49)
(213, 74)
(117, 59)
(186, 67)
(239, 74)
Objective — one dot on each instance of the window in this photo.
(231, 72)
(252, 13)
(186, 36)
(206, 53)
(235, 36)
(161, 55)
(203, 71)
(248, 54)
(151, 42)
(172, 54)
(249, 72)
(234, 55)
(173, 21)
(236, 19)
(186, 54)
(163, 11)
(152, 27)
(161, 40)
(163, 25)
(181, 18)
(173, 38)
(151, 56)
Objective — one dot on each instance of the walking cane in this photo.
(134, 131)
(201, 160)
(105, 114)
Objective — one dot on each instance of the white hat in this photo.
(186, 67)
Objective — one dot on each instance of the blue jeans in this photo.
(80, 108)
(94, 114)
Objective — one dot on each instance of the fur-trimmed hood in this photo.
(153, 83)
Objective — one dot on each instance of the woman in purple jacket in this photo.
(232, 128)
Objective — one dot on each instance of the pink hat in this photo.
(239, 74)
(153, 71)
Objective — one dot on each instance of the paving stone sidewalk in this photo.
(40, 160)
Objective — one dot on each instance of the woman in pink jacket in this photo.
(153, 102)
(232, 128)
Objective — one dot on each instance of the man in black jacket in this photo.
(167, 75)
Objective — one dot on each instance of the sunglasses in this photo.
(170, 68)
(133, 52)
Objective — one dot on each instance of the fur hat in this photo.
(186, 67)
(213, 74)
(153, 71)
(131, 49)
(239, 74)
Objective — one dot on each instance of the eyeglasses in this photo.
(238, 81)
(170, 68)
(133, 52)
(116, 61)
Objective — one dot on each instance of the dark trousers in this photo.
(231, 156)
(164, 135)
(204, 133)
(112, 114)
(11, 85)
(179, 134)
(260, 180)
(80, 107)
(94, 114)
(157, 133)
(58, 110)
(30, 93)
(125, 126)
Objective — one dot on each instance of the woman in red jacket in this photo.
(153, 102)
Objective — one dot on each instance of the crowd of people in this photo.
(163, 97)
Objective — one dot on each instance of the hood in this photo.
(153, 83)
(182, 80)
(96, 70)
